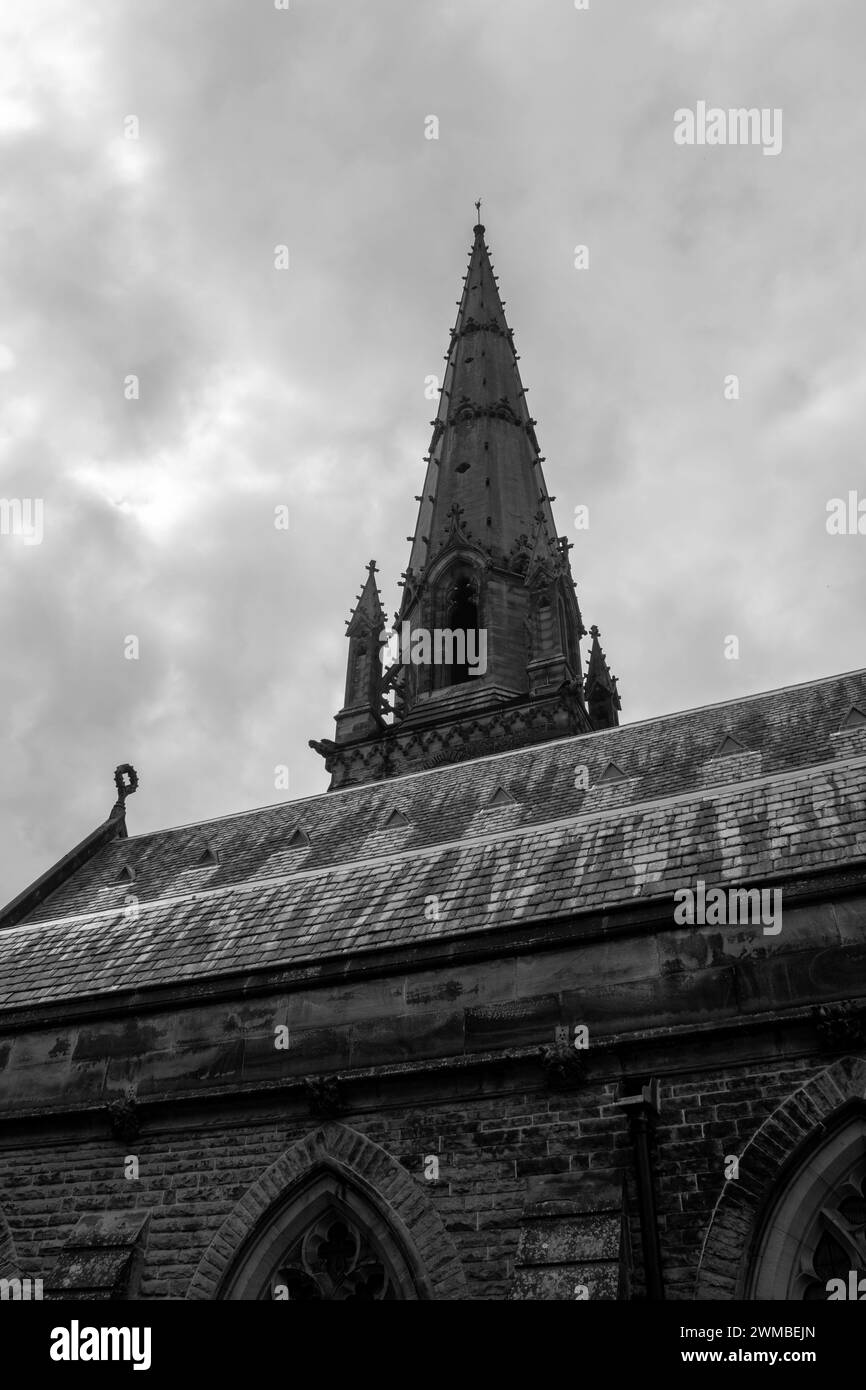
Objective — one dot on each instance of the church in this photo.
(531, 1003)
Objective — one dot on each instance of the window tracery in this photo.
(816, 1230)
(333, 1260)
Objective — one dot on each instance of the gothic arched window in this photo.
(815, 1231)
(326, 1242)
(458, 618)
(462, 617)
(567, 636)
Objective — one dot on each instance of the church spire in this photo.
(488, 633)
(484, 454)
(502, 559)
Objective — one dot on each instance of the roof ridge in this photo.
(467, 841)
(506, 753)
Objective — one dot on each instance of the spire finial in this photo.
(478, 208)
(126, 782)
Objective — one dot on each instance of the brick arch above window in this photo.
(768, 1165)
(367, 1182)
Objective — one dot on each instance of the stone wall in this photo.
(462, 1052)
(517, 1169)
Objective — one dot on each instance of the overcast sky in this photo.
(259, 387)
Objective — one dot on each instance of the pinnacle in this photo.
(368, 612)
(598, 675)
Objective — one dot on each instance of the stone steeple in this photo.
(486, 570)
(484, 454)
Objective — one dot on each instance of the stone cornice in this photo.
(666, 1051)
(576, 930)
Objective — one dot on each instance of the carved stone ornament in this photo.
(565, 1069)
(124, 1118)
(841, 1025)
(323, 1096)
(130, 784)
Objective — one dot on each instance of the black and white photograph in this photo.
(433, 738)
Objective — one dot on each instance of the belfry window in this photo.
(461, 616)
(566, 633)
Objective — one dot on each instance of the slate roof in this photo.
(791, 801)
